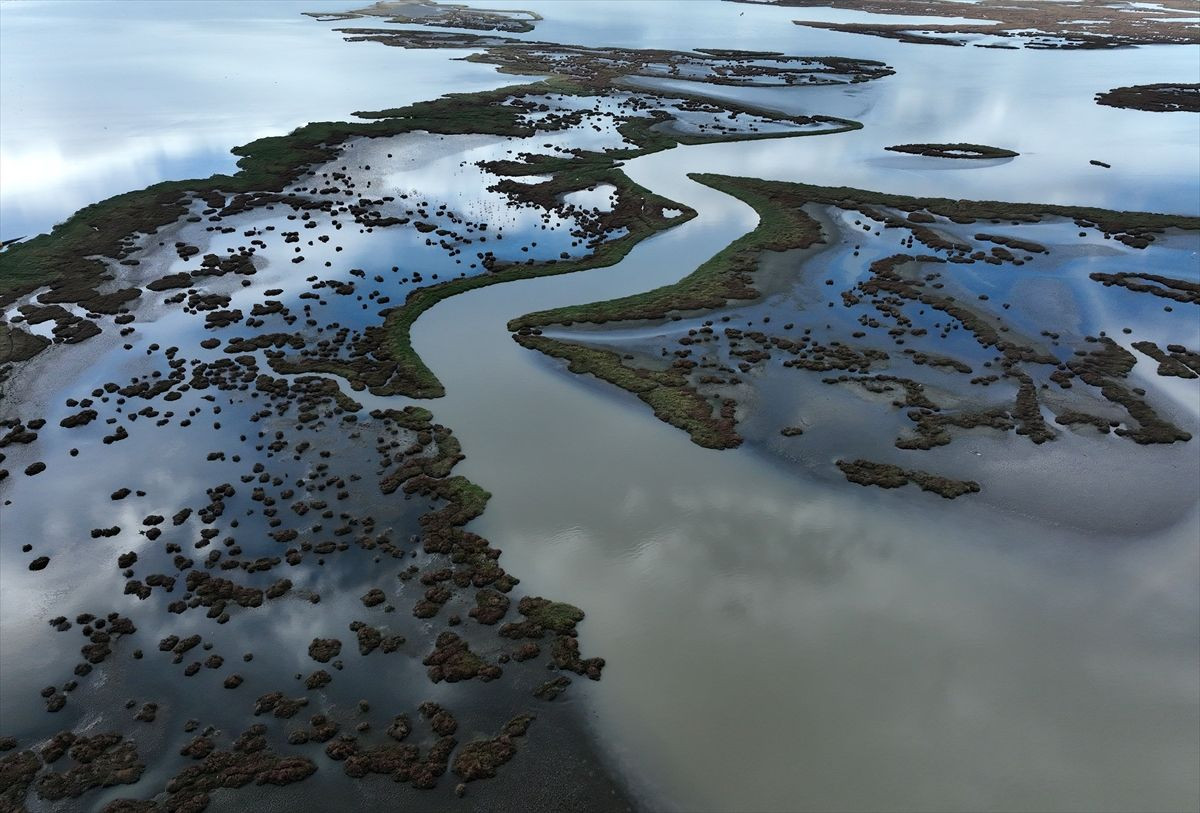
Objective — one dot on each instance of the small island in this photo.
(975, 152)
(1166, 97)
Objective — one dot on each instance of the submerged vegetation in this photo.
(667, 392)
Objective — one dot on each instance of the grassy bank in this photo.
(667, 392)
(66, 258)
(725, 277)
(782, 225)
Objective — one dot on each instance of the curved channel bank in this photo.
(778, 644)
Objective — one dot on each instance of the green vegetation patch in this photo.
(886, 475)
(553, 615)
(67, 259)
(668, 392)
(727, 276)
(783, 225)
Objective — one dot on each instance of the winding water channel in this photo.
(785, 644)
(775, 642)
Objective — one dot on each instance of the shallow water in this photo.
(1123, 490)
(799, 645)
(775, 641)
(145, 92)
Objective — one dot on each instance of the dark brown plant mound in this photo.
(970, 151)
(886, 475)
(1162, 98)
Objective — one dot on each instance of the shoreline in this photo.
(280, 165)
(322, 598)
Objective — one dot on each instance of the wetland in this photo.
(583, 406)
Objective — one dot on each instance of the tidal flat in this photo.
(608, 419)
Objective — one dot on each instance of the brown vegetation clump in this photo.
(969, 151)
(1160, 98)
(886, 475)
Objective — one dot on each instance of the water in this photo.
(144, 92)
(798, 645)
(775, 641)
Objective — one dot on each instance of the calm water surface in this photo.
(800, 646)
(774, 642)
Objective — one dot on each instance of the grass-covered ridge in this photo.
(70, 262)
(66, 258)
(784, 225)
(724, 277)
(412, 377)
(395, 368)
(667, 392)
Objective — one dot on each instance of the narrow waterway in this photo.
(779, 644)
(773, 643)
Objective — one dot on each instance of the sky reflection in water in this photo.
(774, 643)
(147, 92)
